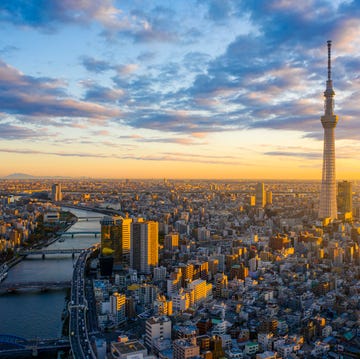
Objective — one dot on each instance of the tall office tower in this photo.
(344, 198)
(252, 201)
(144, 249)
(115, 237)
(269, 199)
(328, 120)
(260, 195)
(126, 238)
(56, 194)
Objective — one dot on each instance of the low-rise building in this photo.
(127, 350)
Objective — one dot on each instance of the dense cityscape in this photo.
(211, 269)
(170, 212)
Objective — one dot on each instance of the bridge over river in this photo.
(6, 287)
(90, 219)
(12, 346)
(78, 233)
(44, 252)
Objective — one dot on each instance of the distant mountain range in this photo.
(19, 176)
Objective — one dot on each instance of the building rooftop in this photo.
(184, 343)
(162, 319)
(128, 347)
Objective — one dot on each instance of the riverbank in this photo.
(41, 313)
(72, 219)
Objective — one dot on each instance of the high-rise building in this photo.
(201, 290)
(187, 271)
(56, 194)
(344, 197)
(328, 208)
(252, 201)
(144, 251)
(260, 195)
(173, 284)
(147, 294)
(117, 307)
(171, 241)
(115, 237)
(126, 237)
(269, 199)
(159, 273)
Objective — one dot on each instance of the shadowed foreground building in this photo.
(115, 237)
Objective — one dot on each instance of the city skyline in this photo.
(196, 89)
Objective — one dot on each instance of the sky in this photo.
(222, 89)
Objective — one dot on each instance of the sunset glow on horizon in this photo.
(210, 89)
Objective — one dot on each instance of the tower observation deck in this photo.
(328, 207)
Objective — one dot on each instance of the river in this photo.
(34, 314)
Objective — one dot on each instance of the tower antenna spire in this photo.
(329, 59)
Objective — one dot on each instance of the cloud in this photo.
(130, 137)
(100, 66)
(344, 150)
(93, 65)
(50, 14)
(177, 157)
(199, 134)
(146, 56)
(156, 25)
(101, 133)
(176, 140)
(306, 155)
(96, 93)
(177, 121)
(219, 10)
(12, 132)
(42, 97)
(127, 69)
(270, 75)
(268, 79)
(51, 153)
(196, 62)
(179, 141)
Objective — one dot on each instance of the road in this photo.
(78, 327)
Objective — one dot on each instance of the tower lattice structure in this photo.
(328, 206)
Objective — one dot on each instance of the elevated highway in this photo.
(78, 331)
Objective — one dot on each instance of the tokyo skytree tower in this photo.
(328, 207)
